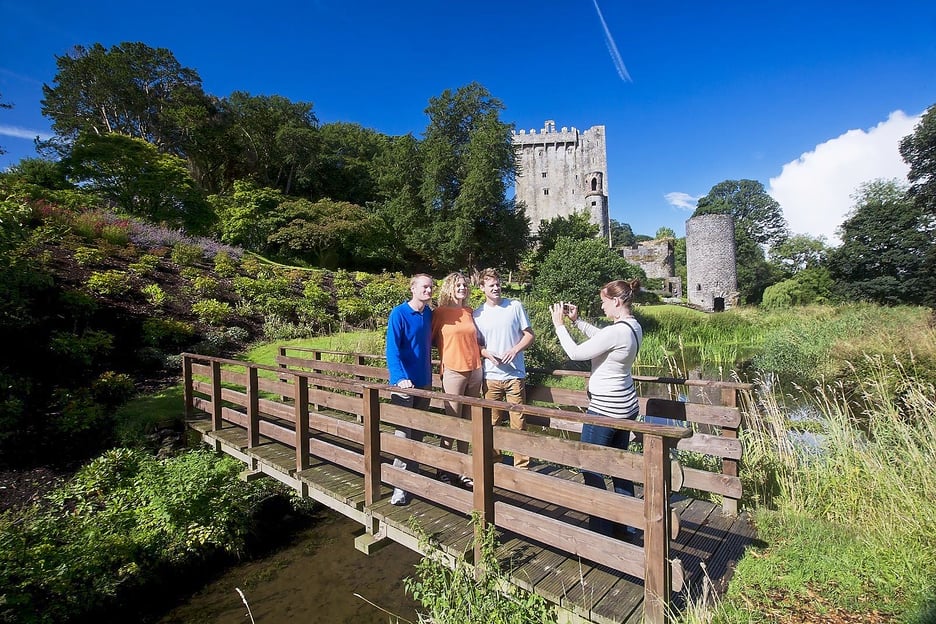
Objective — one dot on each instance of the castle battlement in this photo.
(546, 135)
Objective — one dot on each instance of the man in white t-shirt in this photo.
(505, 330)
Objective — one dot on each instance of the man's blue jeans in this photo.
(606, 436)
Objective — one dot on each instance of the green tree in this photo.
(269, 139)
(577, 225)
(48, 174)
(811, 285)
(398, 175)
(131, 89)
(759, 224)
(347, 162)
(919, 151)
(139, 179)
(329, 234)
(887, 248)
(665, 232)
(756, 214)
(621, 234)
(468, 162)
(798, 253)
(244, 215)
(576, 269)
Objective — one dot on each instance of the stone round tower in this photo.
(596, 201)
(711, 272)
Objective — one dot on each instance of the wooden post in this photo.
(301, 406)
(658, 575)
(283, 378)
(216, 413)
(482, 463)
(188, 393)
(253, 408)
(729, 398)
(371, 445)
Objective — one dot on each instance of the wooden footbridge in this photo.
(320, 422)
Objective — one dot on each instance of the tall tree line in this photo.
(131, 117)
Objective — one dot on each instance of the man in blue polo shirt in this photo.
(409, 360)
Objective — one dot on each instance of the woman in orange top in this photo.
(455, 336)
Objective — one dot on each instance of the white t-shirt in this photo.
(501, 327)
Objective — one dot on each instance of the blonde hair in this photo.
(623, 290)
(447, 291)
(413, 279)
(487, 274)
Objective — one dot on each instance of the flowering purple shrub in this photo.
(149, 235)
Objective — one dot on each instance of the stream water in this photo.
(313, 579)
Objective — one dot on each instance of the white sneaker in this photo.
(399, 497)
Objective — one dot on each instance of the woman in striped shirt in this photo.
(612, 351)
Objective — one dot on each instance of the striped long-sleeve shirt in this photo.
(612, 351)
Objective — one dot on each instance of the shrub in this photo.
(212, 311)
(116, 233)
(384, 292)
(205, 286)
(85, 256)
(81, 419)
(121, 522)
(277, 328)
(353, 311)
(89, 224)
(170, 333)
(250, 265)
(154, 294)
(110, 283)
(224, 264)
(83, 349)
(344, 284)
(79, 304)
(456, 594)
(186, 254)
(112, 389)
(145, 265)
(315, 295)
(217, 340)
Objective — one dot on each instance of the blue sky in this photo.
(809, 98)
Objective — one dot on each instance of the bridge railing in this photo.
(348, 422)
(709, 407)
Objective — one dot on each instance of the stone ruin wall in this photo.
(655, 257)
(562, 172)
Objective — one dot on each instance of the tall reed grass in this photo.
(850, 517)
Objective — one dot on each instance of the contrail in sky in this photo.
(612, 48)
(22, 133)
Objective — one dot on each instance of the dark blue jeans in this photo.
(617, 438)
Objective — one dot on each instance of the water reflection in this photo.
(313, 579)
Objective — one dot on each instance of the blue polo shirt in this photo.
(409, 345)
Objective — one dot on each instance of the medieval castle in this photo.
(563, 172)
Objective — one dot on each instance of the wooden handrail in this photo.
(718, 420)
(652, 562)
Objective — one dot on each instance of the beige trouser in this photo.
(512, 391)
(464, 383)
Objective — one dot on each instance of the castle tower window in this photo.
(546, 191)
(594, 184)
(544, 174)
(594, 203)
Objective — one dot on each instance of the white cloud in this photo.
(22, 133)
(815, 190)
(681, 200)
